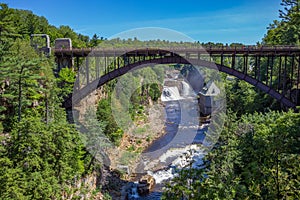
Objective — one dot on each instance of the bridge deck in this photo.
(245, 63)
(224, 50)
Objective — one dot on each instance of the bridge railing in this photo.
(276, 67)
(248, 49)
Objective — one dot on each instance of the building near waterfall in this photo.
(207, 98)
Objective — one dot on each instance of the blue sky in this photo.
(223, 21)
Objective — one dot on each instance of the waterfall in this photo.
(184, 114)
(133, 193)
(170, 94)
(163, 175)
(190, 154)
(187, 91)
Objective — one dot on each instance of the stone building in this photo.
(207, 98)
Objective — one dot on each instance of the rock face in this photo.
(91, 101)
(145, 185)
(83, 188)
(134, 190)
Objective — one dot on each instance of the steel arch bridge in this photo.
(273, 69)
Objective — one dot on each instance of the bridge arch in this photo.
(174, 59)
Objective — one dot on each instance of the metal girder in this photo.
(122, 63)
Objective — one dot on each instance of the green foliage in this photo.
(106, 196)
(128, 156)
(22, 23)
(67, 32)
(95, 140)
(27, 78)
(133, 91)
(40, 153)
(140, 130)
(257, 157)
(104, 115)
(95, 41)
(131, 148)
(242, 98)
(154, 91)
(287, 30)
(38, 159)
(65, 80)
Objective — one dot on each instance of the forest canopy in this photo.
(42, 154)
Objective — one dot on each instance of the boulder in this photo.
(145, 185)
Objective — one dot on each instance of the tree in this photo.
(104, 115)
(96, 142)
(23, 77)
(95, 41)
(65, 80)
(287, 30)
(256, 157)
(39, 159)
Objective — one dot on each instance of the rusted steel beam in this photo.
(87, 73)
(247, 50)
(83, 92)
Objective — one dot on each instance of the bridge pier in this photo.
(64, 60)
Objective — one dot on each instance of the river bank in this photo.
(162, 140)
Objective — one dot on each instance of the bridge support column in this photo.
(64, 61)
(233, 61)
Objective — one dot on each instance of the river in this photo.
(183, 133)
